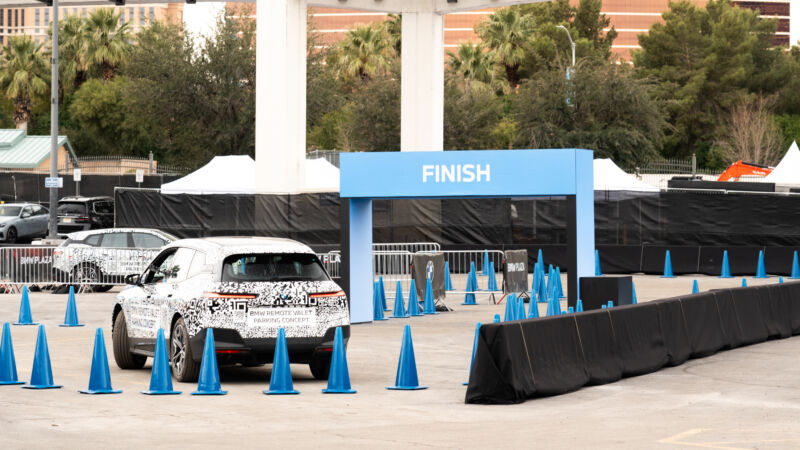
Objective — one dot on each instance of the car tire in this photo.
(87, 273)
(11, 235)
(122, 353)
(184, 368)
(320, 365)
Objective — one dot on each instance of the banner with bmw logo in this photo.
(429, 265)
(515, 271)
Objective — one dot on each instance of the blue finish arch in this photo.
(460, 174)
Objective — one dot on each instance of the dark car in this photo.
(84, 213)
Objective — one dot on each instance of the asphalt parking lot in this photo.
(745, 398)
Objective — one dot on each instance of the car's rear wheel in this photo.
(87, 274)
(11, 235)
(320, 365)
(184, 367)
(122, 353)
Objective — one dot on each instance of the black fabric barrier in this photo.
(530, 358)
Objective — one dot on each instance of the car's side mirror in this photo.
(132, 279)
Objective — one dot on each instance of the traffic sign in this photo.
(56, 182)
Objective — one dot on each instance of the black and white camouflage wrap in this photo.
(296, 306)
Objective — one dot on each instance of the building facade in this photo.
(35, 21)
(629, 17)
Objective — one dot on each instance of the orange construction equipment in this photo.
(739, 168)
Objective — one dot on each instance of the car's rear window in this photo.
(273, 267)
(72, 208)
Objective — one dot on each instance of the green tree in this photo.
(108, 41)
(73, 47)
(23, 76)
(704, 61)
(364, 53)
(472, 63)
(470, 117)
(610, 112)
(506, 33)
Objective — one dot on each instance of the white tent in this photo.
(236, 174)
(609, 177)
(788, 170)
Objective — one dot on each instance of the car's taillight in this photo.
(328, 294)
(81, 219)
(229, 296)
(229, 352)
(58, 252)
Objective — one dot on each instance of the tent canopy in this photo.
(609, 177)
(236, 174)
(788, 170)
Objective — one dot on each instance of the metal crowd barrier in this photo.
(393, 266)
(84, 266)
(412, 247)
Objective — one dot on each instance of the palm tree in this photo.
(506, 33)
(73, 43)
(108, 41)
(473, 63)
(23, 75)
(364, 53)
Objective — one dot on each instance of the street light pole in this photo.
(53, 220)
(572, 67)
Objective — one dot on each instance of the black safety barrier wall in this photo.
(632, 230)
(518, 360)
(29, 187)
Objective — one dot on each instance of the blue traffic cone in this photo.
(559, 287)
(280, 381)
(533, 309)
(540, 258)
(71, 316)
(610, 304)
(551, 308)
(579, 306)
(474, 349)
(511, 309)
(377, 307)
(160, 376)
(339, 376)
(535, 281)
(382, 292)
(496, 318)
(99, 377)
(407, 379)
(520, 302)
(472, 275)
(542, 294)
(795, 267)
(208, 383)
(597, 271)
(429, 305)
(726, 267)
(603, 307)
(492, 286)
(780, 280)
(25, 309)
(695, 287)
(744, 282)
(761, 271)
(485, 265)
(667, 267)
(469, 297)
(570, 310)
(8, 364)
(448, 282)
(413, 301)
(399, 311)
(557, 305)
(42, 373)
(634, 300)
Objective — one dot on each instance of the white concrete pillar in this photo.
(280, 95)
(422, 87)
(794, 22)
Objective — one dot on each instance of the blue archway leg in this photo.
(360, 260)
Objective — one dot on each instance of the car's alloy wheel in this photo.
(178, 349)
(184, 367)
(11, 235)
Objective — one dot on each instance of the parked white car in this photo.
(246, 289)
(104, 257)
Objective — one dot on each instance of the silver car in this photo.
(246, 289)
(22, 221)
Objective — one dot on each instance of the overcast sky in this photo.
(201, 17)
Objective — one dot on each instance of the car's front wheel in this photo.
(11, 235)
(184, 367)
(119, 340)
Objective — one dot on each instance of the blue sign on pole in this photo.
(490, 173)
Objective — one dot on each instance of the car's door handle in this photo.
(169, 296)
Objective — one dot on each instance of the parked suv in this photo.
(85, 213)
(104, 256)
(245, 289)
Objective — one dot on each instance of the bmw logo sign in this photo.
(284, 296)
(429, 270)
